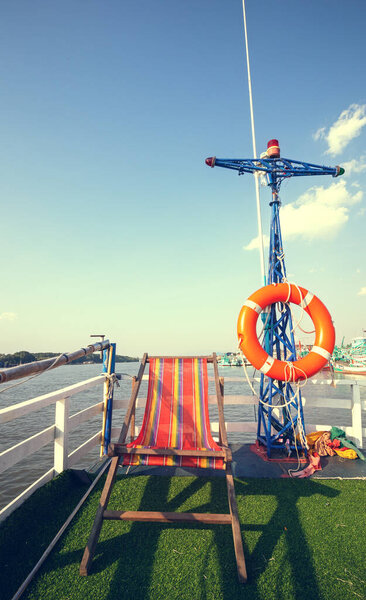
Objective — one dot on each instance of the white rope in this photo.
(290, 371)
(302, 435)
(112, 378)
(261, 333)
(256, 179)
(302, 305)
(247, 376)
(285, 405)
(126, 375)
(290, 471)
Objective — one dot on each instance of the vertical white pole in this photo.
(61, 445)
(356, 415)
(256, 177)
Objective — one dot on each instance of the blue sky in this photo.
(111, 221)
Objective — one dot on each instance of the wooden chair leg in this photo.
(133, 416)
(98, 521)
(238, 542)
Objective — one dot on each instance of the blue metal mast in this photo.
(280, 409)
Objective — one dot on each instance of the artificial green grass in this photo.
(302, 539)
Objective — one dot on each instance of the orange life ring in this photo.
(273, 367)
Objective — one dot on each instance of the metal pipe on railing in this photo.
(50, 363)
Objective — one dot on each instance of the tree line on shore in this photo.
(23, 356)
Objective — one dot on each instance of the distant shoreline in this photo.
(23, 357)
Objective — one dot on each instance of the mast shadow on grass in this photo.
(274, 539)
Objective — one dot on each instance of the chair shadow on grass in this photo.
(126, 561)
(134, 552)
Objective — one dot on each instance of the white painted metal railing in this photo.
(58, 433)
(355, 404)
(356, 432)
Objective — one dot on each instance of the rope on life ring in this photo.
(283, 370)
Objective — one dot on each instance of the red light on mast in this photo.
(210, 162)
(273, 149)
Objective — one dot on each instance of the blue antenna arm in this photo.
(277, 167)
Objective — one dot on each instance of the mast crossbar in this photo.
(279, 167)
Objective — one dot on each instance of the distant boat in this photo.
(225, 361)
(352, 360)
(236, 361)
(230, 359)
(350, 369)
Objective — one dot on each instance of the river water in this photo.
(17, 478)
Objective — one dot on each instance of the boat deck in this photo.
(247, 463)
(302, 538)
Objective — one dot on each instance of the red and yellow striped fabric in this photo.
(176, 414)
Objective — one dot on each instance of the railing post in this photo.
(61, 445)
(356, 414)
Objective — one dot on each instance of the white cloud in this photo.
(320, 134)
(354, 166)
(8, 316)
(347, 127)
(254, 243)
(362, 291)
(319, 213)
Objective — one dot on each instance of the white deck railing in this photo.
(58, 433)
(355, 404)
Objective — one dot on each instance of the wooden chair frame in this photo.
(118, 450)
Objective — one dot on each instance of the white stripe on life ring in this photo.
(321, 351)
(308, 298)
(267, 364)
(253, 305)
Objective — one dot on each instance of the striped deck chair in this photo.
(175, 432)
